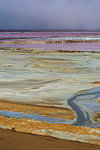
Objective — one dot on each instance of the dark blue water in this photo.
(19, 115)
(84, 117)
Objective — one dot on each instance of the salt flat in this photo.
(48, 79)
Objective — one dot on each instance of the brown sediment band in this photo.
(42, 51)
(17, 41)
(98, 100)
(96, 82)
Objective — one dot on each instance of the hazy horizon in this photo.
(50, 15)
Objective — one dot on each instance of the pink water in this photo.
(17, 36)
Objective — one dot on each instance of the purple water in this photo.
(33, 36)
(67, 47)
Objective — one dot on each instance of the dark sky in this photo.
(50, 14)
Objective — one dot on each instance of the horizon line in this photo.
(48, 30)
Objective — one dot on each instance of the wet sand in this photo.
(11, 140)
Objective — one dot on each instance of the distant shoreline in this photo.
(46, 30)
(34, 50)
